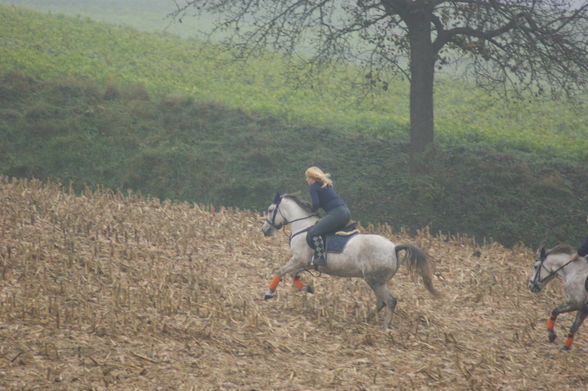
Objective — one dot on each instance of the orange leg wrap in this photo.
(275, 282)
(550, 324)
(569, 340)
(297, 283)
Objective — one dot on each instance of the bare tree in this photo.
(522, 45)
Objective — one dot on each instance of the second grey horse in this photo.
(557, 263)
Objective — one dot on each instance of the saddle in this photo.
(335, 242)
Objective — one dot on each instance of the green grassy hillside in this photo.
(92, 103)
(53, 45)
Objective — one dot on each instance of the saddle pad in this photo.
(336, 243)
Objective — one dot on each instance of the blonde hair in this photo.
(318, 175)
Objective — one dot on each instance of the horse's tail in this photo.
(418, 261)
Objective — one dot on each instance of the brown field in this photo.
(104, 291)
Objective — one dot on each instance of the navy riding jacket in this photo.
(324, 197)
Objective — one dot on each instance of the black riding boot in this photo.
(319, 258)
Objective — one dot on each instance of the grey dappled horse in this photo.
(371, 257)
(557, 262)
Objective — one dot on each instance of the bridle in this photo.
(551, 274)
(277, 201)
(272, 222)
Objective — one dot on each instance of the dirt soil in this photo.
(110, 291)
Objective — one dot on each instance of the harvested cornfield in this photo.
(109, 291)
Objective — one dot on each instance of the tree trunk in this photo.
(422, 68)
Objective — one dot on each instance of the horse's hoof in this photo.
(309, 289)
(565, 348)
(268, 295)
(552, 337)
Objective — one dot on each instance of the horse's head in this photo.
(550, 264)
(540, 272)
(274, 219)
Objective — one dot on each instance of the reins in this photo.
(297, 233)
(272, 222)
(293, 221)
(286, 222)
(551, 274)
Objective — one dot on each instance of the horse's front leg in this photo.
(300, 285)
(271, 291)
(580, 316)
(293, 266)
(560, 309)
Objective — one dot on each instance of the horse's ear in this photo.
(277, 198)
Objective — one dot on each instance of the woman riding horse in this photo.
(323, 196)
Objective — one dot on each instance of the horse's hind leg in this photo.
(384, 298)
(390, 302)
(580, 316)
(379, 305)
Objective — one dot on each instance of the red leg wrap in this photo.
(569, 340)
(297, 283)
(275, 282)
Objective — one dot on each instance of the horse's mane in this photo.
(561, 249)
(303, 204)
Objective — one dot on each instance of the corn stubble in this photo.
(110, 291)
